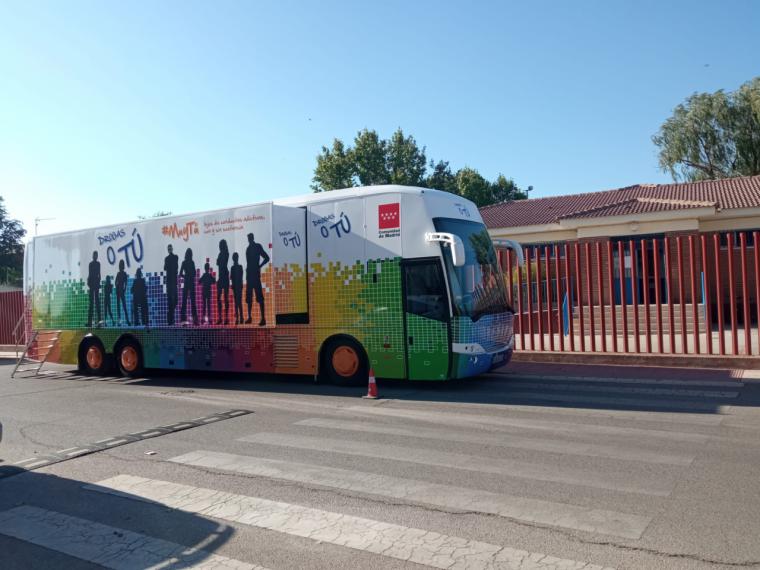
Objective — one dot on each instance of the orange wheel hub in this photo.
(94, 357)
(129, 358)
(345, 361)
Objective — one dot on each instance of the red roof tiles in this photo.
(638, 199)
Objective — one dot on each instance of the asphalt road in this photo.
(504, 471)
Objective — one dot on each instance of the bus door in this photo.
(426, 319)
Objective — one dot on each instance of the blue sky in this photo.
(110, 110)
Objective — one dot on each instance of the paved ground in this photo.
(535, 468)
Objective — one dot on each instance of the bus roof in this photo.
(300, 200)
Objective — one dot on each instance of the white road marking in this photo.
(505, 422)
(391, 540)
(650, 391)
(635, 402)
(626, 453)
(649, 416)
(107, 546)
(531, 510)
(511, 377)
(656, 484)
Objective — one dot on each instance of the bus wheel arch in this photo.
(343, 360)
(128, 355)
(92, 358)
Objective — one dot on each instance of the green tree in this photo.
(11, 248)
(441, 177)
(400, 160)
(406, 161)
(335, 168)
(746, 127)
(504, 189)
(369, 157)
(471, 185)
(713, 135)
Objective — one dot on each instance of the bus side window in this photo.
(426, 290)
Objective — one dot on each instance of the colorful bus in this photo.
(401, 280)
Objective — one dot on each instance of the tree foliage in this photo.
(11, 247)
(335, 168)
(713, 135)
(400, 160)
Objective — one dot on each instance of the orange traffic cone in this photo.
(372, 386)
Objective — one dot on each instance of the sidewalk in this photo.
(548, 369)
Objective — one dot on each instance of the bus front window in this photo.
(477, 288)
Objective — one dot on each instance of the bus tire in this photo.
(344, 362)
(129, 357)
(93, 360)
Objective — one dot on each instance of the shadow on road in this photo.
(657, 395)
(32, 503)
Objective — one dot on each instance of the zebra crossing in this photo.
(645, 454)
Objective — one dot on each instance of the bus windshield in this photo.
(477, 288)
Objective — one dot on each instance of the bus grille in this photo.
(285, 351)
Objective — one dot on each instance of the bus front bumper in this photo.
(471, 362)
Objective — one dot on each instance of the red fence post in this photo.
(611, 282)
(511, 296)
(600, 286)
(579, 288)
(682, 295)
(745, 295)
(520, 306)
(756, 242)
(732, 293)
(590, 296)
(569, 299)
(719, 296)
(694, 311)
(708, 316)
(623, 302)
(657, 293)
(11, 311)
(560, 313)
(549, 317)
(529, 281)
(635, 296)
(539, 298)
(647, 317)
(668, 283)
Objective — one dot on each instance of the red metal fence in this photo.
(11, 307)
(693, 294)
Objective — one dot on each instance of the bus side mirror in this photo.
(455, 243)
(457, 252)
(510, 244)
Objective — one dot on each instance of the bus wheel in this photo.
(344, 362)
(92, 357)
(129, 358)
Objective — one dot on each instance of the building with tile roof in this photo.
(648, 225)
(710, 205)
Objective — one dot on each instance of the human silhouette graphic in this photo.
(139, 299)
(107, 291)
(206, 281)
(171, 265)
(237, 288)
(93, 283)
(121, 292)
(255, 259)
(187, 272)
(223, 283)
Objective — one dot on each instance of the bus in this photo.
(404, 281)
